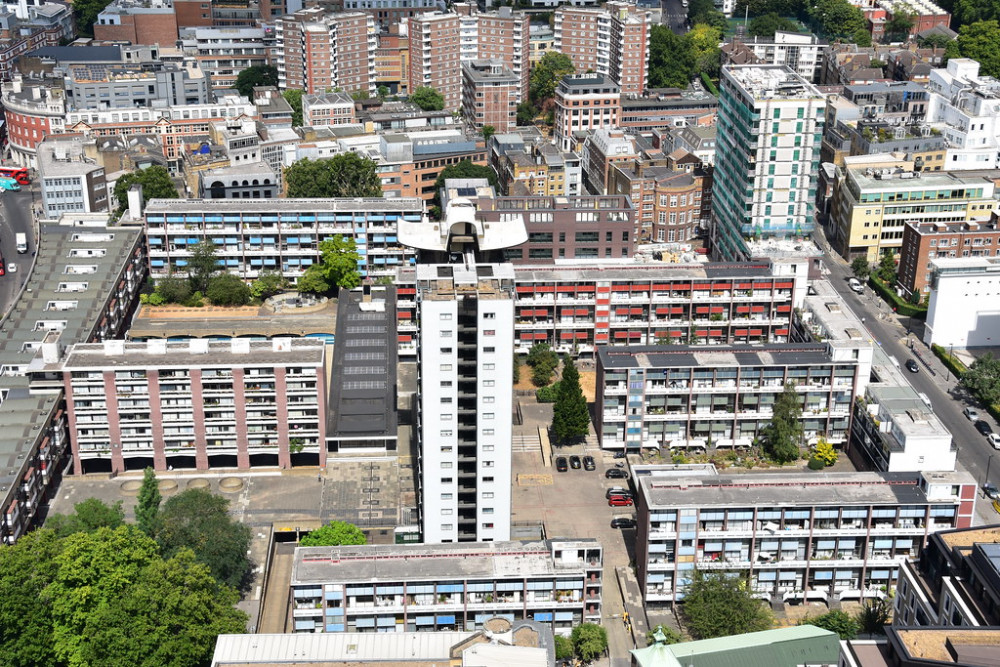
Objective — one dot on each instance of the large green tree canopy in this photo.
(155, 181)
(981, 42)
(344, 175)
(546, 75)
(258, 75)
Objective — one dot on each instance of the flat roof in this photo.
(436, 563)
(195, 353)
(686, 356)
(363, 400)
(277, 206)
(486, 281)
(336, 647)
(654, 272)
(784, 490)
(772, 82)
(974, 646)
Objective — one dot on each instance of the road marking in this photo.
(534, 480)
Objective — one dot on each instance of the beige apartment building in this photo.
(318, 52)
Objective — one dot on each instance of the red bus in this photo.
(19, 174)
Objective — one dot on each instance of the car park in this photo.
(983, 427)
(575, 463)
(620, 501)
(971, 413)
(622, 522)
(589, 463)
(561, 465)
(615, 473)
(617, 491)
(994, 440)
(911, 366)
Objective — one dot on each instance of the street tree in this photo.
(257, 75)
(202, 265)
(427, 98)
(590, 641)
(335, 533)
(546, 75)
(983, 379)
(344, 175)
(155, 181)
(886, 270)
(337, 268)
(718, 604)
(199, 520)
(845, 625)
(148, 504)
(783, 434)
(227, 289)
(294, 98)
(861, 268)
(570, 416)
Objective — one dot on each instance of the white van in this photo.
(926, 399)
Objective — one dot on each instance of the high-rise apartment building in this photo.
(503, 35)
(613, 41)
(585, 102)
(435, 56)
(317, 51)
(490, 94)
(770, 127)
(466, 355)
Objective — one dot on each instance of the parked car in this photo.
(561, 465)
(589, 463)
(616, 473)
(991, 490)
(622, 522)
(620, 501)
(993, 439)
(12, 267)
(619, 455)
(574, 462)
(911, 366)
(983, 428)
(971, 413)
(617, 491)
(856, 285)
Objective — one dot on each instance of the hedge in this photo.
(898, 305)
(709, 84)
(953, 364)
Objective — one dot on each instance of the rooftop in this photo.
(433, 562)
(686, 356)
(958, 646)
(278, 206)
(654, 272)
(772, 82)
(957, 265)
(446, 281)
(195, 353)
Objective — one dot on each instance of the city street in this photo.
(674, 14)
(15, 218)
(948, 399)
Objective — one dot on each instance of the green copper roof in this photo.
(787, 647)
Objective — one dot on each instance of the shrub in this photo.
(898, 305)
(196, 300)
(547, 394)
(816, 463)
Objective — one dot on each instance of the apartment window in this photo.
(489, 399)
(446, 350)
(487, 510)
(489, 415)
(489, 383)
(446, 449)
(488, 431)
(447, 496)
(447, 480)
(488, 448)
(447, 526)
(445, 316)
(487, 495)
(489, 316)
(446, 333)
(487, 525)
(447, 512)
(489, 367)
(446, 399)
(445, 383)
(445, 417)
(446, 464)
(489, 332)
(446, 367)
(446, 434)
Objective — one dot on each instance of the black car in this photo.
(983, 427)
(622, 522)
(575, 463)
(561, 465)
(911, 366)
(619, 455)
(616, 473)
(588, 463)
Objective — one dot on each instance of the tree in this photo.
(88, 516)
(148, 505)
(546, 75)
(26, 568)
(543, 362)
(294, 98)
(886, 270)
(934, 41)
(463, 169)
(704, 11)
(967, 12)
(427, 98)
(672, 59)
(197, 519)
(705, 40)
(589, 641)
(337, 267)
(268, 284)
(252, 77)
(981, 42)
(845, 625)
(564, 648)
(770, 23)
(670, 636)
(897, 29)
(155, 181)
(861, 268)
(85, 14)
(334, 534)
(344, 175)
(983, 379)
(228, 290)
(174, 289)
(488, 131)
(874, 616)
(825, 452)
(837, 19)
(526, 113)
(783, 433)
(570, 416)
(202, 265)
(717, 604)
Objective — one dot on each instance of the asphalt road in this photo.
(674, 15)
(948, 399)
(15, 218)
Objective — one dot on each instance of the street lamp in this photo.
(989, 462)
